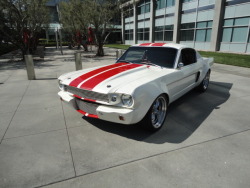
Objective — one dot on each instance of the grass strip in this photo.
(240, 60)
(118, 46)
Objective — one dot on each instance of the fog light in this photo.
(113, 98)
(121, 118)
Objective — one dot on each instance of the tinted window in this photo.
(188, 56)
(161, 56)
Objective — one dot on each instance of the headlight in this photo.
(127, 100)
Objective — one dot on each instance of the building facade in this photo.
(214, 25)
(54, 25)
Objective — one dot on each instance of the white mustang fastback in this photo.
(139, 86)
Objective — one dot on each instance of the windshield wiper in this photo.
(126, 61)
(149, 63)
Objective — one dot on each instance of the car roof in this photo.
(172, 45)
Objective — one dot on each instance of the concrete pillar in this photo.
(30, 67)
(177, 21)
(47, 36)
(135, 23)
(216, 34)
(120, 53)
(60, 39)
(152, 21)
(117, 54)
(56, 34)
(123, 27)
(78, 61)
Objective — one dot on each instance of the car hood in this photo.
(108, 79)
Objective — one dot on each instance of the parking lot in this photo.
(204, 142)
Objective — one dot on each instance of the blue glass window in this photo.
(239, 34)
(229, 22)
(201, 25)
(227, 32)
(241, 21)
(200, 35)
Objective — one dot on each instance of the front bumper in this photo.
(104, 112)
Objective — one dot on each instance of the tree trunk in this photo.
(24, 50)
(100, 51)
(23, 53)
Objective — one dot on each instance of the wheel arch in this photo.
(167, 97)
(145, 96)
(154, 122)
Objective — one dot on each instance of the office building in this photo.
(214, 25)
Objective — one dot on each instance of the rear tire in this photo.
(205, 82)
(155, 117)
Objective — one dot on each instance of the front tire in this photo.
(205, 82)
(156, 115)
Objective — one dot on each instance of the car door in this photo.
(187, 73)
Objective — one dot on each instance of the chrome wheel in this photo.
(205, 81)
(158, 112)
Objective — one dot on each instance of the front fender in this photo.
(144, 97)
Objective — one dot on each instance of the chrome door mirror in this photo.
(180, 65)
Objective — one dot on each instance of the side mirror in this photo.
(180, 65)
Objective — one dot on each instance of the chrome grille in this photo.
(88, 107)
(87, 94)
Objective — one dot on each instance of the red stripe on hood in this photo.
(145, 44)
(83, 77)
(158, 44)
(91, 83)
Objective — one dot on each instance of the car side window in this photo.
(188, 56)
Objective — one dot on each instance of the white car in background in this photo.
(139, 87)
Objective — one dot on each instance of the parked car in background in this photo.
(139, 87)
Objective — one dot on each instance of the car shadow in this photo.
(184, 116)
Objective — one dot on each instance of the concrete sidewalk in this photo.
(205, 142)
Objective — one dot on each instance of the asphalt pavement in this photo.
(44, 143)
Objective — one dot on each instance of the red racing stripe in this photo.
(81, 78)
(145, 44)
(91, 83)
(88, 115)
(91, 100)
(157, 44)
(85, 99)
(77, 96)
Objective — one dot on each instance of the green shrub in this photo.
(6, 48)
(52, 43)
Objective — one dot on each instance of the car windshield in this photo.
(160, 56)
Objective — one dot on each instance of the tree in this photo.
(98, 14)
(73, 18)
(21, 21)
(101, 14)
